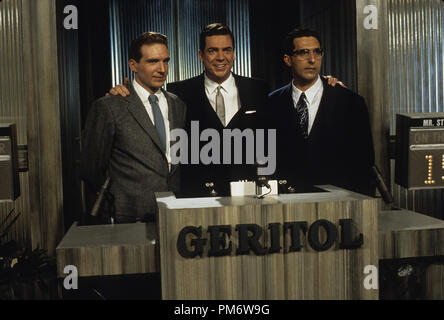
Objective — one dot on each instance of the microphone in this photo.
(96, 207)
(261, 182)
(382, 187)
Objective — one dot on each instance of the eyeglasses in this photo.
(305, 54)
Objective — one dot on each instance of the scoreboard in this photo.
(420, 150)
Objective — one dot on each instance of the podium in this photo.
(109, 250)
(280, 271)
(290, 246)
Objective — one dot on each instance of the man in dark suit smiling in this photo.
(128, 138)
(323, 132)
(219, 99)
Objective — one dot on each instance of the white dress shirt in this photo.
(163, 105)
(313, 99)
(229, 92)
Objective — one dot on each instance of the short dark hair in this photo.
(288, 45)
(145, 38)
(214, 29)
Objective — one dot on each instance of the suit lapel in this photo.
(241, 91)
(138, 111)
(244, 103)
(287, 100)
(206, 110)
(325, 112)
(173, 116)
(285, 115)
(288, 96)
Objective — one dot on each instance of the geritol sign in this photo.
(250, 235)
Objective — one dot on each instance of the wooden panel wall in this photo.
(416, 60)
(372, 53)
(13, 106)
(31, 81)
(400, 70)
(43, 114)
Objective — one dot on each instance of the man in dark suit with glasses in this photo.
(323, 132)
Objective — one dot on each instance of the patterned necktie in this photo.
(158, 119)
(302, 111)
(220, 106)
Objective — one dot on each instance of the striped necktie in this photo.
(302, 111)
(220, 106)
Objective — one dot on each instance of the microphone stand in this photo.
(99, 200)
(382, 187)
(262, 182)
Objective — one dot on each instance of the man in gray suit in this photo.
(127, 138)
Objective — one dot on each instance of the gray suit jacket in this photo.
(120, 141)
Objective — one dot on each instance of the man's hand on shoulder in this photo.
(332, 81)
(120, 89)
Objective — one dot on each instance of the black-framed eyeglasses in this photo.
(305, 54)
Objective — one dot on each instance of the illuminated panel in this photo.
(420, 150)
(426, 158)
(442, 166)
(429, 180)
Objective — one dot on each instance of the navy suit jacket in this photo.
(339, 149)
(252, 95)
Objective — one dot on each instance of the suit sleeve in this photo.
(364, 149)
(265, 90)
(262, 116)
(97, 141)
(173, 88)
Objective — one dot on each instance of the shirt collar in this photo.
(144, 94)
(310, 93)
(227, 85)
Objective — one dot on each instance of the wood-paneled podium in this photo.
(291, 246)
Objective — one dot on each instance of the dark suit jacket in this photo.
(121, 141)
(339, 149)
(252, 95)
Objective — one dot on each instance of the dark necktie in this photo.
(158, 120)
(302, 111)
(220, 106)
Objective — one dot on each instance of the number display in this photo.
(442, 165)
(420, 150)
(429, 180)
(426, 166)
